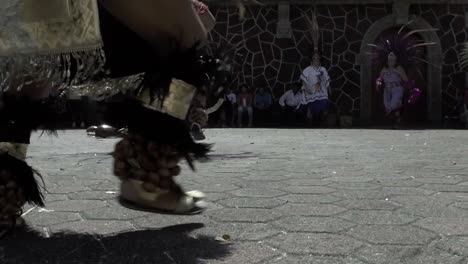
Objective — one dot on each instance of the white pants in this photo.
(393, 98)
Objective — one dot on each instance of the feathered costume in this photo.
(410, 53)
(143, 52)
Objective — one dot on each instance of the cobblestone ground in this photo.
(276, 196)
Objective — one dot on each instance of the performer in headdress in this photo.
(316, 83)
(315, 78)
(395, 54)
(147, 50)
(392, 78)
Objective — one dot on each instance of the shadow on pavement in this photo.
(168, 245)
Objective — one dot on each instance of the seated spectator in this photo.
(262, 103)
(244, 100)
(291, 101)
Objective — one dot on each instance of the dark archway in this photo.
(414, 114)
(433, 71)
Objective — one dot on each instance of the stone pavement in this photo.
(276, 196)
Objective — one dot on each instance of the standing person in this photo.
(316, 83)
(262, 104)
(392, 78)
(229, 106)
(244, 100)
(291, 102)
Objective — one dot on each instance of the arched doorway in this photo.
(414, 114)
(433, 69)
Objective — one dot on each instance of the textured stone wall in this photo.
(450, 20)
(265, 60)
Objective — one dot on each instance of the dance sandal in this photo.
(134, 196)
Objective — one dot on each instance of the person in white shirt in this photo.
(293, 98)
(316, 83)
(291, 102)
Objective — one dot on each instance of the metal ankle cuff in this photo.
(176, 103)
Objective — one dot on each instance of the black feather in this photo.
(19, 113)
(24, 176)
(155, 126)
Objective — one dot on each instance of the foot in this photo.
(135, 197)
(197, 133)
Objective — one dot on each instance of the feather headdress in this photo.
(409, 49)
(314, 30)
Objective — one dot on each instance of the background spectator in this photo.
(291, 102)
(262, 103)
(244, 101)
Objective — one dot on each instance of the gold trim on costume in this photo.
(16, 150)
(177, 102)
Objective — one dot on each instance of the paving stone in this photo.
(270, 164)
(357, 179)
(49, 198)
(452, 196)
(406, 255)
(101, 227)
(446, 188)
(247, 253)
(445, 226)
(94, 195)
(376, 217)
(67, 189)
(462, 205)
(402, 235)
(249, 202)
(442, 180)
(75, 205)
(112, 213)
(269, 178)
(213, 197)
(260, 184)
(434, 210)
(456, 245)
(310, 198)
(311, 243)
(258, 193)
(310, 210)
(360, 194)
(308, 189)
(270, 172)
(48, 218)
(355, 186)
(314, 224)
(315, 260)
(386, 254)
(416, 201)
(399, 183)
(157, 221)
(244, 215)
(368, 204)
(217, 188)
(406, 191)
(237, 170)
(306, 182)
(239, 231)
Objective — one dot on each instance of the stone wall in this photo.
(263, 59)
(450, 20)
